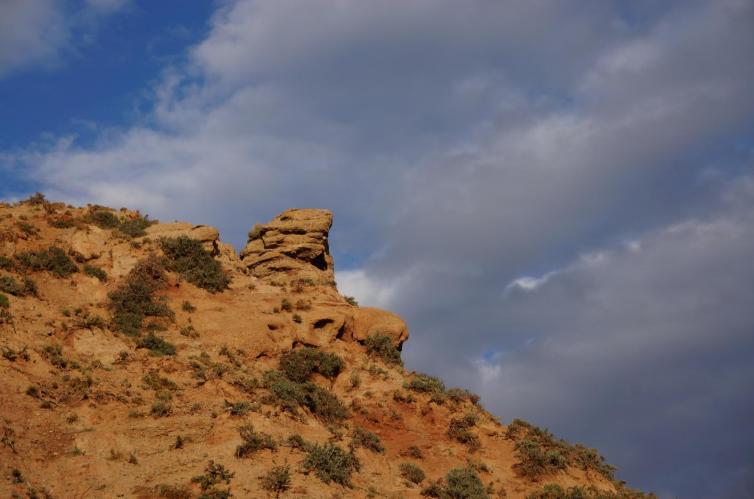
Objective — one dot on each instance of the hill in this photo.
(146, 359)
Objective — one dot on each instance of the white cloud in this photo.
(40, 32)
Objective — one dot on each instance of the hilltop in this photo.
(147, 359)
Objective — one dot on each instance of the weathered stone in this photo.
(294, 243)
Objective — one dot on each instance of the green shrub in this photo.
(156, 382)
(94, 271)
(53, 260)
(9, 285)
(277, 480)
(286, 305)
(134, 300)
(464, 483)
(540, 452)
(254, 441)
(458, 395)
(412, 473)
(213, 475)
(434, 489)
(290, 395)
(366, 439)
(330, 463)
(186, 306)
(102, 218)
(351, 301)
(156, 345)
(135, 227)
(425, 384)
(299, 365)
(460, 431)
(4, 302)
(64, 222)
(28, 228)
(555, 491)
(297, 442)
(381, 345)
(239, 408)
(195, 264)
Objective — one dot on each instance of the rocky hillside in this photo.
(144, 359)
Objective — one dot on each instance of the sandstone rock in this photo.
(294, 243)
(89, 242)
(209, 236)
(368, 321)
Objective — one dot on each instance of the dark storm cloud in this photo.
(555, 196)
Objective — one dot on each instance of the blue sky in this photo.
(559, 198)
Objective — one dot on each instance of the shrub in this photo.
(135, 227)
(64, 222)
(366, 439)
(331, 463)
(28, 228)
(134, 300)
(6, 263)
(460, 431)
(539, 452)
(297, 442)
(412, 473)
(425, 384)
(254, 441)
(102, 218)
(195, 264)
(186, 306)
(458, 395)
(4, 302)
(53, 260)
(9, 285)
(156, 345)
(351, 301)
(299, 365)
(277, 480)
(213, 475)
(239, 408)
(94, 271)
(290, 395)
(381, 345)
(156, 382)
(161, 409)
(174, 492)
(286, 305)
(464, 483)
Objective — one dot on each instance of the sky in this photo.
(558, 197)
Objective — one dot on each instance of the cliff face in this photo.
(144, 359)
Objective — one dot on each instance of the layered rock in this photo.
(294, 243)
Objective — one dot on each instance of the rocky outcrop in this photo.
(294, 243)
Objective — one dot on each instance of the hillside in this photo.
(144, 359)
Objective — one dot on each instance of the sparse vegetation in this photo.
(555, 491)
(253, 441)
(299, 365)
(134, 300)
(156, 345)
(425, 383)
(540, 453)
(412, 473)
(460, 431)
(277, 480)
(161, 409)
(4, 301)
(351, 301)
(459, 483)
(136, 226)
(186, 306)
(195, 264)
(53, 260)
(94, 271)
(102, 217)
(381, 345)
(290, 395)
(214, 474)
(330, 463)
(6, 263)
(366, 439)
